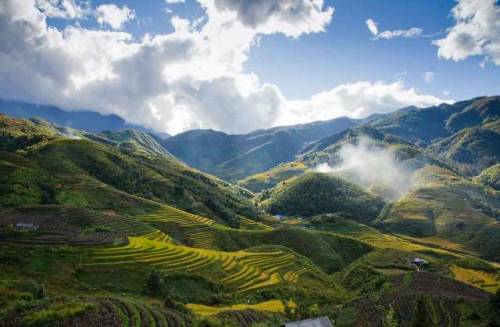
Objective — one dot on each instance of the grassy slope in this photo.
(48, 169)
(490, 177)
(136, 142)
(271, 178)
(83, 283)
(329, 252)
(471, 149)
(450, 206)
(316, 193)
(122, 269)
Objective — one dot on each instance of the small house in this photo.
(418, 262)
(26, 227)
(313, 322)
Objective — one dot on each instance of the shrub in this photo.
(33, 287)
(154, 282)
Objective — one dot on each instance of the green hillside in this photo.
(423, 126)
(316, 193)
(271, 178)
(471, 149)
(490, 177)
(110, 230)
(48, 168)
(134, 141)
(452, 207)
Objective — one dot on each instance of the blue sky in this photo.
(346, 53)
(248, 65)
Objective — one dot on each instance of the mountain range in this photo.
(390, 220)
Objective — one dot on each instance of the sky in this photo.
(239, 65)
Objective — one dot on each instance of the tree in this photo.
(154, 282)
(495, 310)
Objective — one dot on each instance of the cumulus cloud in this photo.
(114, 16)
(371, 166)
(190, 78)
(476, 31)
(292, 17)
(193, 77)
(356, 100)
(409, 33)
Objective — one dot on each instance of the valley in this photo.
(120, 228)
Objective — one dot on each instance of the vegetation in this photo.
(271, 178)
(110, 230)
(490, 177)
(317, 193)
(93, 175)
(445, 204)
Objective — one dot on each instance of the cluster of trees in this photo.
(316, 193)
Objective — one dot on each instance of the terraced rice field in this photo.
(132, 314)
(487, 281)
(70, 225)
(195, 227)
(270, 306)
(242, 271)
(250, 224)
(198, 229)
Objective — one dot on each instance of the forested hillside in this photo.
(111, 229)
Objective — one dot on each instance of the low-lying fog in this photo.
(372, 167)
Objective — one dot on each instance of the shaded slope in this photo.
(237, 156)
(422, 126)
(471, 149)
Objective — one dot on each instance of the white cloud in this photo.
(175, 1)
(67, 9)
(356, 100)
(476, 31)
(409, 33)
(191, 78)
(372, 26)
(114, 16)
(429, 76)
(368, 164)
(291, 17)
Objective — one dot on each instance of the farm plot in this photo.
(276, 306)
(57, 224)
(243, 318)
(488, 281)
(128, 313)
(242, 271)
(198, 230)
(195, 227)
